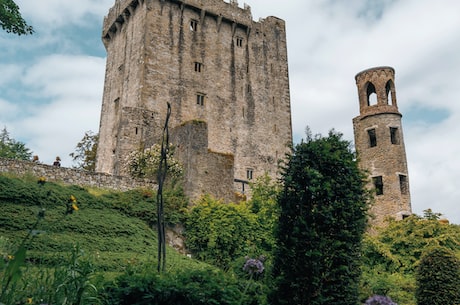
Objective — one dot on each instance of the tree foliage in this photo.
(391, 256)
(438, 278)
(219, 233)
(11, 19)
(85, 152)
(12, 149)
(323, 217)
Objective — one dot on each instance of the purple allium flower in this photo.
(253, 265)
(379, 300)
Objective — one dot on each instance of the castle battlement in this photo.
(219, 9)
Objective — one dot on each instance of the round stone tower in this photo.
(379, 144)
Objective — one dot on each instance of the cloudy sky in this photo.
(51, 82)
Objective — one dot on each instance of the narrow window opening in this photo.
(394, 135)
(249, 173)
(200, 99)
(389, 93)
(198, 66)
(371, 95)
(378, 185)
(372, 138)
(403, 185)
(239, 42)
(135, 130)
(193, 25)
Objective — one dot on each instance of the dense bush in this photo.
(187, 287)
(438, 278)
(219, 233)
(323, 217)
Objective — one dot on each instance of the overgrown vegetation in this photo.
(392, 255)
(103, 250)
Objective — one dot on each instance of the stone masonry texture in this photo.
(212, 63)
(380, 145)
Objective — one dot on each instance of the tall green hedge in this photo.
(323, 217)
(438, 278)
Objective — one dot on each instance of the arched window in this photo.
(371, 95)
(389, 89)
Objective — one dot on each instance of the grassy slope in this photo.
(113, 228)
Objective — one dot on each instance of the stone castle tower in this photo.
(225, 76)
(380, 145)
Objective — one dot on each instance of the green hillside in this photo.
(114, 228)
(78, 244)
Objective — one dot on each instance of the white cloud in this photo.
(57, 13)
(72, 89)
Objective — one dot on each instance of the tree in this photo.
(85, 152)
(323, 217)
(438, 278)
(12, 149)
(11, 20)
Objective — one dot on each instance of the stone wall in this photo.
(73, 176)
(215, 170)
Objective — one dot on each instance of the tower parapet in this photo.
(379, 143)
(222, 11)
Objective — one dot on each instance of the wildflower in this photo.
(72, 205)
(379, 300)
(253, 266)
(41, 180)
(10, 257)
(29, 301)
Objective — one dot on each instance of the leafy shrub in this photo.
(438, 278)
(188, 287)
(219, 233)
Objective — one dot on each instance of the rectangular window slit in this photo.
(198, 66)
(403, 185)
(372, 138)
(239, 42)
(249, 173)
(378, 185)
(394, 134)
(200, 99)
(193, 25)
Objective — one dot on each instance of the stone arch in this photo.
(390, 90)
(371, 94)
